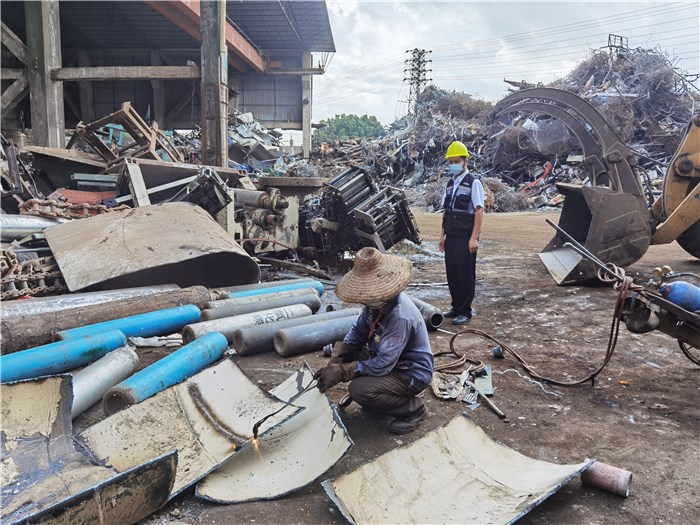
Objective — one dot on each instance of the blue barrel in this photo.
(58, 357)
(683, 294)
(280, 288)
(166, 372)
(160, 322)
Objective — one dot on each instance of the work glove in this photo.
(332, 374)
(342, 353)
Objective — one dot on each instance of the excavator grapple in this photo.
(611, 217)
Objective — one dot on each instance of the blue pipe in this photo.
(165, 372)
(160, 322)
(280, 288)
(58, 357)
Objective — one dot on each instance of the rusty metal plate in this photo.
(206, 419)
(161, 244)
(44, 477)
(455, 474)
(123, 499)
(291, 456)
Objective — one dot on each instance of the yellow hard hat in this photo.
(457, 149)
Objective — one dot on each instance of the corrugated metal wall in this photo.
(273, 100)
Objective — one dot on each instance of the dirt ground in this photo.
(642, 413)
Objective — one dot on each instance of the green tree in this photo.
(346, 127)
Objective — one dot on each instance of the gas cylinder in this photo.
(685, 295)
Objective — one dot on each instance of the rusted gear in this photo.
(55, 209)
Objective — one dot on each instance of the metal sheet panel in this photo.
(42, 475)
(291, 456)
(455, 474)
(165, 243)
(207, 419)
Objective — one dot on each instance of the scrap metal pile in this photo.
(520, 158)
(120, 163)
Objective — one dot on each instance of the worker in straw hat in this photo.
(461, 224)
(386, 356)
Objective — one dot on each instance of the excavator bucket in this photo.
(614, 226)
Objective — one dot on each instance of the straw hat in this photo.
(376, 277)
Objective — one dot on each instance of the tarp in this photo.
(292, 455)
(455, 474)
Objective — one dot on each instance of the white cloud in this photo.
(476, 44)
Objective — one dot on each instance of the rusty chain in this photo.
(55, 209)
(28, 278)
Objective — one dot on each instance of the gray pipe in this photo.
(270, 284)
(311, 337)
(259, 339)
(431, 315)
(228, 325)
(90, 384)
(256, 299)
(30, 307)
(20, 226)
(311, 300)
(272, 200)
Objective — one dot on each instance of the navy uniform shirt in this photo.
(399, 342)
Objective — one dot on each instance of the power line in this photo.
(581, 25)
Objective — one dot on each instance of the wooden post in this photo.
(44, 54)
(20, 333)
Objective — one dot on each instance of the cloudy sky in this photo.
(476, 44)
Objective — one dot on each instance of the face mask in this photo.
(456, 169)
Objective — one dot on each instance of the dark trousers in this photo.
(461, 273)
(389, 394)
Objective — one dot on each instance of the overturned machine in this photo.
(613, 218)
(352, 212)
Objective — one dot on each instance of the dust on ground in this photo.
(642, 413)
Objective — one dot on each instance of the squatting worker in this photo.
(459, 239)
(386, 355)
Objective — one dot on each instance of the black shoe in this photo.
(344, 402)
(449, 314)
(408, 424)
(461, 319)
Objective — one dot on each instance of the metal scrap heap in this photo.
(644, 97)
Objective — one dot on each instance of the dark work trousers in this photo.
(389, 394)
(461, 273)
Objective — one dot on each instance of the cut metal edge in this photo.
(337, 420)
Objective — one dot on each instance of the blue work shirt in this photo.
(399, 342)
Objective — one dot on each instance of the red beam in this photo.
(185, 15)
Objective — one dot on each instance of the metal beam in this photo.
(124, 73)
(296, 72)
(11, 74)
(14, 94)
(44, 54)
(306, 94)
(186, 15)
(13, 43)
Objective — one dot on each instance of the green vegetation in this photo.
(346, 127)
